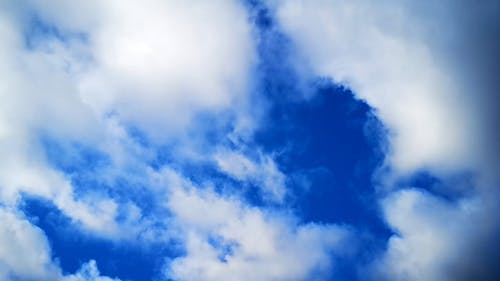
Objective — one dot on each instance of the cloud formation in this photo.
(136, 122)
(158, 63)
(437, 239)
(426, 68)
(389, 56)
(227, 240)
(25, 253)
(120, 81)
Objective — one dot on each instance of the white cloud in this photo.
(25, 253)
(88, 272)
(263, 172)
(438, 240)
(227, 240)
(156, 63)
(380, 51)
(426, 236)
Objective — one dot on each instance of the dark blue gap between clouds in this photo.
(71, 246)
(325, 139)
(329, 145)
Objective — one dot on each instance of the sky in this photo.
(278, 140)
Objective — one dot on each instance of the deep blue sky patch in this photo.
(72, 248)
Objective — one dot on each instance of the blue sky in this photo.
(248, 140)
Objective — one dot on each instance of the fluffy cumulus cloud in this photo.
(25, 253)
(227, 240)
(156, 63)
(387, 54)
(431, 232)
(88, 272)
(143, 124)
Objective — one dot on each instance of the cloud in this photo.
(25, 253)
(385, 52)
(263, 172)
(226, 239)
(88, 272)
(158, 63)
(438, 240)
